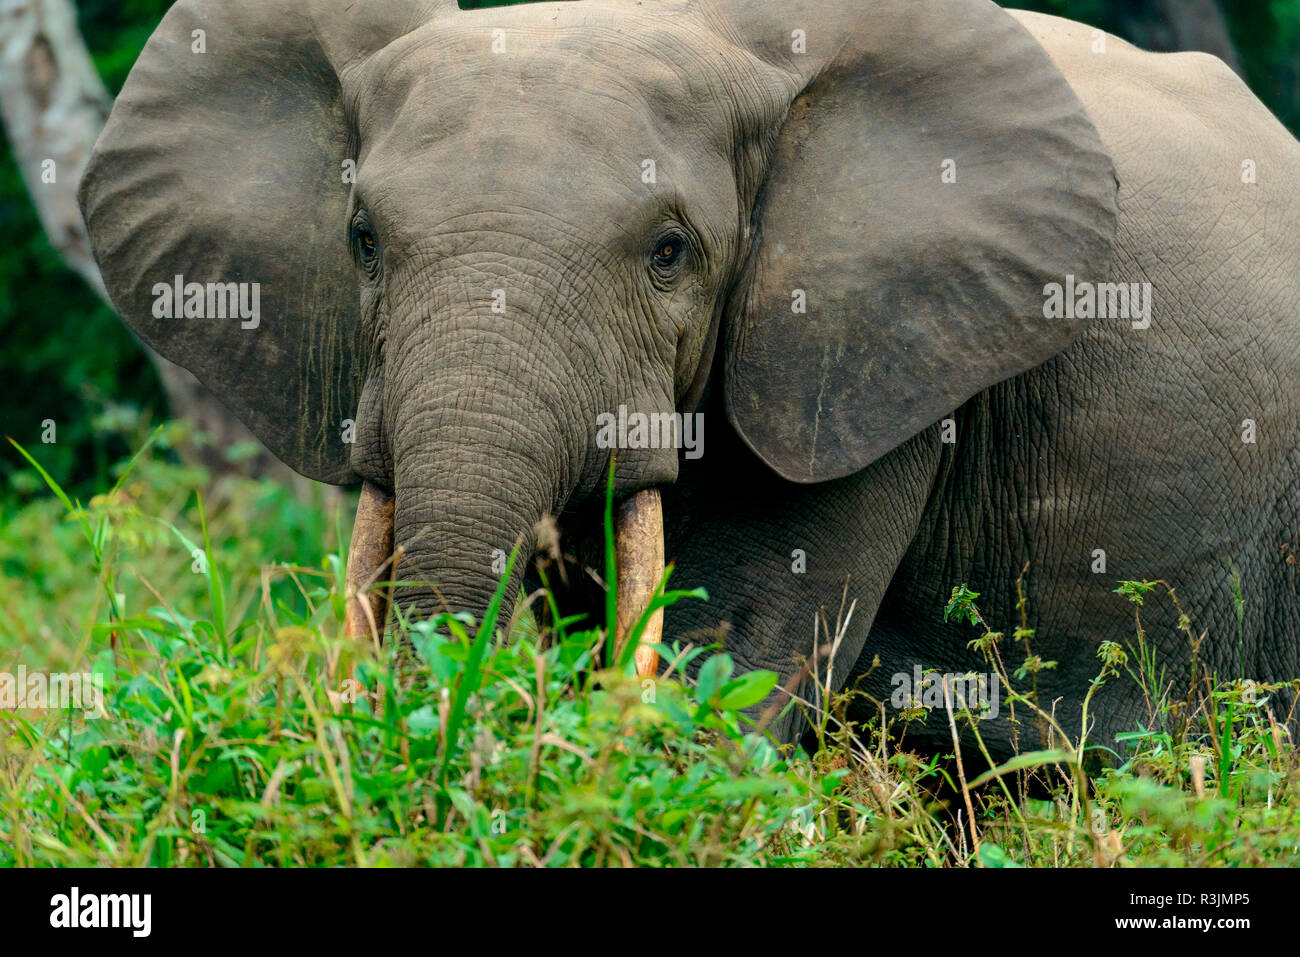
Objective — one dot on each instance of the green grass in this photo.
(241, 729)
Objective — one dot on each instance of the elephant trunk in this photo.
(470, 489)
(486, 436)
(638, 546)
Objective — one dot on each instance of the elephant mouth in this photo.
(638, 552)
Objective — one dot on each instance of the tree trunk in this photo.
(53, 105)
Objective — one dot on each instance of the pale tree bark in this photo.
(54, 105)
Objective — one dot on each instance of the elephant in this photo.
(961, 293)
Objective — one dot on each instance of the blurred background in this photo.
(68, 361)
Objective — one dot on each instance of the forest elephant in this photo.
(961, 294)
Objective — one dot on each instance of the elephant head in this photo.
(474, 232)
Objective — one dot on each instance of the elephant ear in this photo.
(933, 171)
(223, 162)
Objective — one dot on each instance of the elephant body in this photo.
(1129, 442)
(833, 230)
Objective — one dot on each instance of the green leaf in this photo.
(1030, 759)
(216, 594)
(611, 569)
(713, 674)
(471, 680)
(991, 855)
(749, 689)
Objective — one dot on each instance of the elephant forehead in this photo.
(536, 180)
(479, 190)
(578, 112)
(579, 64)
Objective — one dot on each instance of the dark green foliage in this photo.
(66, 356)
(1267, 34)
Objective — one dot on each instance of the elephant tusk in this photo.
(639, 553)
(372, 546)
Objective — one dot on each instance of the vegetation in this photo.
(241, 729)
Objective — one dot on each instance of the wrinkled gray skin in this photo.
(776, 170)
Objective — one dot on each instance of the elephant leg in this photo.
(776, 557)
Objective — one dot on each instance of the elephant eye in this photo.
(668, 251)
(367, 249)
